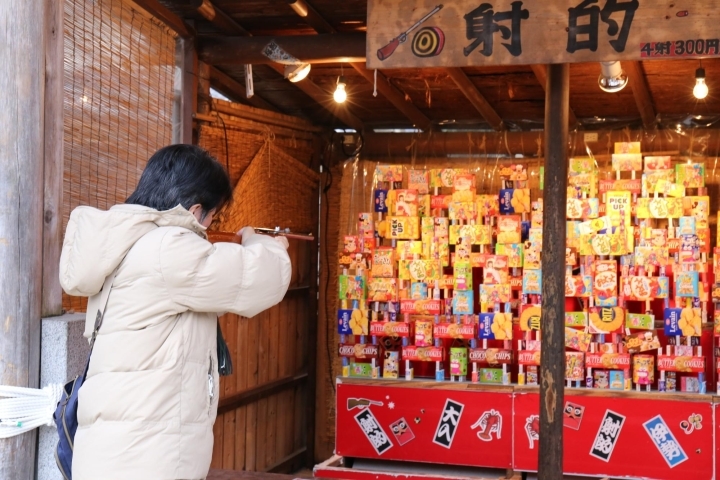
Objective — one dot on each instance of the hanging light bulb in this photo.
(612, 79)
(340, 94)
(701, 89)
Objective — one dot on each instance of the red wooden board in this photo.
(634, 454)
(472, 439)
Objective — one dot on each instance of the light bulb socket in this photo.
(700, 73)
(341, 79)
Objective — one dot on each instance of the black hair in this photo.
(182, 175)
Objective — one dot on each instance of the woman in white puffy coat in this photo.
(147, 407)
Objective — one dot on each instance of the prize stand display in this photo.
(439, 319)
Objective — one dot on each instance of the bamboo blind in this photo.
(119, 68)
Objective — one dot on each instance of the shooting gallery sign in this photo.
(423, 33)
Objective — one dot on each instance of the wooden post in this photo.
(22, 87)
(53, 163)
(185, 103)
(552, 357)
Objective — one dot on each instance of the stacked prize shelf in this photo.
(438, 271)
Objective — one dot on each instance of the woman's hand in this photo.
(246, 232)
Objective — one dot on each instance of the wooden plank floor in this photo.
(243, 475)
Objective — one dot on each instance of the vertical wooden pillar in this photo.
(53, 162)
(22, 90)
(552, 358)
(185, 104)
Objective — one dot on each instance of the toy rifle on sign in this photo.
(215, 236)
(388, 49)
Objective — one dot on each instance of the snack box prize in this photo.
(351, 287)
(391, 367)
(574, 370)
(509, 228)
(403, 228)
(690, 175)
(389, 173)
(458, 361)
(495, 326)
(419, 180)
(605, 283)
(643, 369)
(423, 333)
(619, 207)
(420, 270)
(383, 264)
(382, 290)
(463, 302)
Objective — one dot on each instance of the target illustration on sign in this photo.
(428, 42)
(428, 39)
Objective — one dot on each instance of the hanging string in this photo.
(375, 83)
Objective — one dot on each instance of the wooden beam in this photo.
(185, 95)
(531, 144)
(307, 86)
(552, 318)
(235, 90)
(395, 96)
(311, 16)
(162, 13)
(22, 83)
(329, 48)
(251, 395)
(641, 92)
(476, 98)
(324, 99)
(53, 159)
(540, 72)
(220, 20)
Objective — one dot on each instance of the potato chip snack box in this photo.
(383, 290)
(383, 264)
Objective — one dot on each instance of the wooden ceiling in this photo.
(515, 94)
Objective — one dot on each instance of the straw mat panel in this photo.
(275, 190)
(119, 67)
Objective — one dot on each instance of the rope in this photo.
(23, 409)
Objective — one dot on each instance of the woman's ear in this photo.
(197, 211)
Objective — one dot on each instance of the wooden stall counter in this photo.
(662, 435)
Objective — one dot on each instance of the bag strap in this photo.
(104, 295)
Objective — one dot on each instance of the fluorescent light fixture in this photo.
(295, 73)
(612, 79)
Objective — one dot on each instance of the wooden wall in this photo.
(262, 419)
(266, 415)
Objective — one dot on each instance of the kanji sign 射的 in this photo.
(424, 33)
